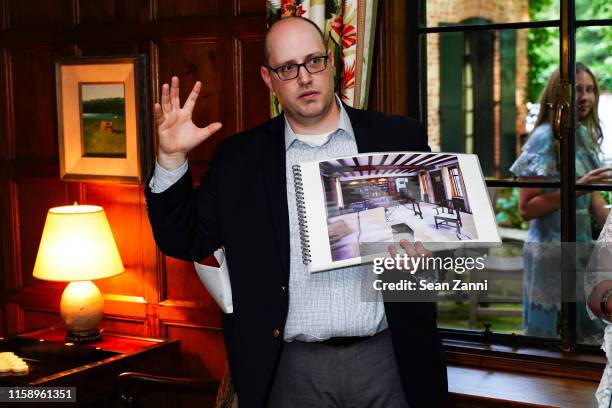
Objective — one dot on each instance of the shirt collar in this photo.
(344, 123)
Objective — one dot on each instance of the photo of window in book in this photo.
(353, 207)
(385, 198)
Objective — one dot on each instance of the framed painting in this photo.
(103, 117)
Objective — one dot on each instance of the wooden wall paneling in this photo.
(33, 98)
(3, 15)
(6, 143)
(189, 312)
(202, 348)
(14, 316)
(246, 7)
(122, 205)
(10, 264)
(106, 49)
(36, 319)
(113, 11)
(34, 198)
(164, 9)
(124, 325)
(192, 61)
(252, 93)
(183, 284)
(39, 13)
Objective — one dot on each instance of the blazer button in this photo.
(275, 333)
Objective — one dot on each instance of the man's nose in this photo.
(304, 77)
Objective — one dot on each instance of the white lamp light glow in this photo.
(77, 246)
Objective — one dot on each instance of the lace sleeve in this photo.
(600, 263)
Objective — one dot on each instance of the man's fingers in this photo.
(408, 247)
(159, 117)
(193, 96)
(421, 250)
(174, 93)
(205, 133)
(392, 250)
(165, 99)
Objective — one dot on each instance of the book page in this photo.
(381, 198)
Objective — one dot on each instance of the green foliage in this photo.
(106, 105)
(506, 209)
(593, 44)
(543, 47)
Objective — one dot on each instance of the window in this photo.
(482, 68)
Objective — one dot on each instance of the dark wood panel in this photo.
(35, 319)
(191, 62)
(34, 198)
(6, 148)
(100, 49)
(207, 315)
(33, 103)
(185, 8)
(7, 251)
(203, 349)
(39, 13)
(123, 326)
(113, 11)
(122, 205)
(245, 7)
(182, 283)
(252, 91)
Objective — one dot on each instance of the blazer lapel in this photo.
(274, 181)
(362, 129)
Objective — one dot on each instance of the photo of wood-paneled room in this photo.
(388, 197)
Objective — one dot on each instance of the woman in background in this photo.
(540, 206)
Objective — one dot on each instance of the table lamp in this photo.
(77, 246)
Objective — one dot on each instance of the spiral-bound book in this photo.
(352, 208)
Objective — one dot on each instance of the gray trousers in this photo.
(361, 375)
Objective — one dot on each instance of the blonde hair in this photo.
(549, 96)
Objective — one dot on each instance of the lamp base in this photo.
(84, 337)
(81, 309)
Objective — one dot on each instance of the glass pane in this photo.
(462, 12)
(519, 274)
(593, 100)
(595, 261)
(593, 9)
(482, 92)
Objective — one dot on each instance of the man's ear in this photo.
(330, 53)
(265, 75)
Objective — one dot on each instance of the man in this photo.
(295, 339)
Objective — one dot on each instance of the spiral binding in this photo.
(301, 208)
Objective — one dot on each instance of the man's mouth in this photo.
(308, 94)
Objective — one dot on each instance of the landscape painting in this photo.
(103, 119)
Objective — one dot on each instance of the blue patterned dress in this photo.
(541, 252)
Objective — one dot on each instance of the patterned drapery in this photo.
(349, 28)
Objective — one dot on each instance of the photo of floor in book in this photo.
(388, 197)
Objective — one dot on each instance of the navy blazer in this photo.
(241, 204)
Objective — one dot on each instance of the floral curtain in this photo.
(349, 28)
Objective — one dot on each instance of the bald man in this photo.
(295, 339)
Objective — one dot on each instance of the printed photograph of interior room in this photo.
(387, 197)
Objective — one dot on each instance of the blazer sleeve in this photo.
(423, 136)
(185, 221)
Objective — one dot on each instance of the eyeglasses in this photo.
(313, 65)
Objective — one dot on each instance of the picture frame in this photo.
(104, 124)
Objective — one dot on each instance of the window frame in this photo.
(567, 24)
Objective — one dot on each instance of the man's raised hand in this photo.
(177, 133)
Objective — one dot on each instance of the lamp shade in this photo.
(77, 244)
